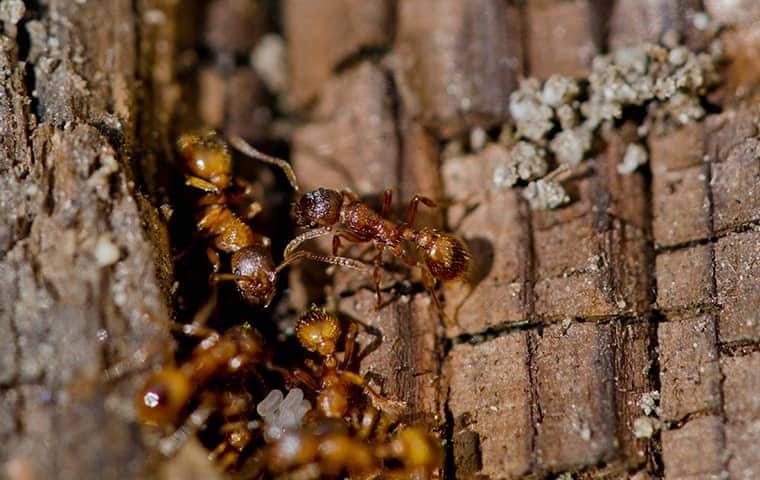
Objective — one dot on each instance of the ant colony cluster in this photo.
(289, 406)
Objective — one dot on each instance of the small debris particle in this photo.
(106, 252)
(644, 427)
(635, 156)
(531, 115)
(649, 402)
(559, 90)
(701, 20)
(545, 194)
(166, 211)
(570, 146)
(12, 11)
(99, 180)
(478, 139)
(268, 59)
(154, 16)
(526, 161)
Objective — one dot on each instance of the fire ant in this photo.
(168, 393)
(209, 163)
(324, 211)
(327, 449)
(318, 331)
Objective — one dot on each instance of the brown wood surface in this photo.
(645, 286)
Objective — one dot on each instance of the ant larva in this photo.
(209, 162)
(324, 211)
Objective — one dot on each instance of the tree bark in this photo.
(641, 294)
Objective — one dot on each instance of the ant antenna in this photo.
(246, 149)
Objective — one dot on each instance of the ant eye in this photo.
(164, 395)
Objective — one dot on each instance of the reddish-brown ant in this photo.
(324, 211)
(168, 391)
(327, 449)
(319, 331)
(208, 160)
(167, 395)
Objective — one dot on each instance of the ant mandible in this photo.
(209, 163)
(324, 211)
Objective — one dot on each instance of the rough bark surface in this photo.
(617, 336)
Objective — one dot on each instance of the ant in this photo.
(319, 331)
(237, 430)
(327, 449)
(208, 160)
(168, 393)
(324, 211)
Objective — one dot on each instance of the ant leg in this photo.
(201, 184)
(377, 274)
(347, 192)
(336, 244)
(246, 149)
(331, 259)
(307, 235)
(412, 211)
(349, 345)
(387, 201)
(135, 362)
(168, 446)
(253, 209)
(428, 281)
(214, 259)
(392, 407)
(366, 423)
(406, 258)
(298, 375)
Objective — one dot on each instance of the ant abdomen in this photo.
(446, 256)
(163, 397)
(255, 263)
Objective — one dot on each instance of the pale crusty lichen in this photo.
(526, 161)
(545, 194)
(556, 122)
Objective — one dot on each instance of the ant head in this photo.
(318, 208)
(318, 331)
(162, 398)
(255, 262)
(415, 448)
(445, 255)
(206, 156)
